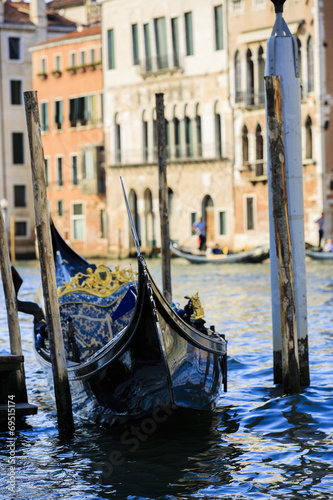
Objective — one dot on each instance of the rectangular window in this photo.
(249, 213)
(72, 112)
(218, 16)
(17, 148)
(146, 34)
(175, 41)
(44, 116)
(145, 140)
(75, 177)
(21, 228)
(189, 34)
(57, 65)
(43, 65)
(161, 42)
(20, 196)
(104, 225)
(88, 164)
(72, 60)
(78, 221)
(59, 171)
(15, 92)
(60, 208)
(82, 57)
(135, 44)
(223, 223)
(47, 171)
(58, 114)
(92, 55)
(14, 48)
(111, 58)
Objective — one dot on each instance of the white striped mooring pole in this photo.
(286, 209)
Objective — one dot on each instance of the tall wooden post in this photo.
(282, 60)
(290, 361)
(59, 368)
(163, 198)
(12, 312)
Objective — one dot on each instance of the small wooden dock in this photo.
(13, 392)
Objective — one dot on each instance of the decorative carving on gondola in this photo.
(102, 282)
(198, 311)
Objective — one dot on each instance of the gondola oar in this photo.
(133, 229)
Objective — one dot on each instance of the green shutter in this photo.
(111, 58)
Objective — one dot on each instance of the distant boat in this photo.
(319, 255)
(129, 353)
(256, 255)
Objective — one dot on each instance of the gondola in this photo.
(319, 255)
(129, 353)
(256, 255)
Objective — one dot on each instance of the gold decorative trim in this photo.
(102, 282)
(198, 311)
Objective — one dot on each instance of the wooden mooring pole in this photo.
(290, 361)
(12, 314)
(59, 368)
(163, 198)
(282, 61)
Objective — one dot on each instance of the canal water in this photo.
(258, 444)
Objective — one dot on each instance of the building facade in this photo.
(208, 59)
(181, 51)
(67, 72)
(21, 26)
(250, 25)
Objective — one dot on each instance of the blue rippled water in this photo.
(259, 444)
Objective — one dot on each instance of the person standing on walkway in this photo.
(320, 223)
(200, 228)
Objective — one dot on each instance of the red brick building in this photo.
(67, 73)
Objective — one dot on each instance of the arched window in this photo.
(149, 219)
(249, 79)
(300, 64)
(261, 76)
(310, 65)
(154, 136)
(133, 203)
(218, 133)
(177, 132)
(259, 152)
(208, 215)
(245, 145)
(188, 135)
(238, 78)
(117, 139)
(167, 138)
(198, 130)
(170, 209)
(144, 137)
(308, 138)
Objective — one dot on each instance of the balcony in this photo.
(250, 99)
(160, 64)
(259, 171)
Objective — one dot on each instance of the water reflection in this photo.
(258, 444)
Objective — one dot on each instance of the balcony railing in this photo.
(160, 63)
(250, 98)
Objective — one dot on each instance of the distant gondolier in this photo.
(200, 228)
(320, 223)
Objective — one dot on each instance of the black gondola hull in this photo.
(156, 361)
